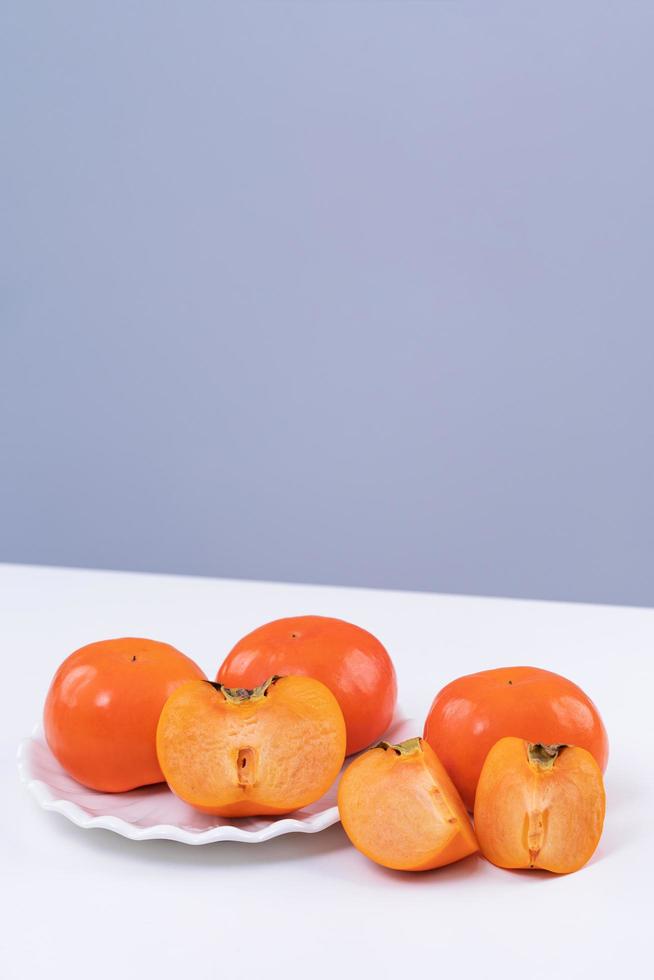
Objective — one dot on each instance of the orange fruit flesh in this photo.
(539, 806)
(399, 807)
(270, 753)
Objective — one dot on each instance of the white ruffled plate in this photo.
(155, 813)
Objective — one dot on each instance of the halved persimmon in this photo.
(400, 808)
(539, 806)
(237, 752)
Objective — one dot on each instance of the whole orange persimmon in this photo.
(350, 661)
(473, 712)
(103, 706)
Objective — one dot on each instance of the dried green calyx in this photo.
(543, 756)
(408, 747)
(238, 695)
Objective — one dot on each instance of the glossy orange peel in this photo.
(348, 659)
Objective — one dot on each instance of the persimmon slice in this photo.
(539, 806)
(237, 752)
(400, 808)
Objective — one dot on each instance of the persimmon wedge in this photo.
(400, 808)
(237, 752)
(539, 806)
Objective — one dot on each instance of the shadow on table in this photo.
(290, 847)
(279, 850)
(458, 871)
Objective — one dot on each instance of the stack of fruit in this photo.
(520, 747)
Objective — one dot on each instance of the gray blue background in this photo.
(354, 292)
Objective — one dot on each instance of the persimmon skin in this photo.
(350, 661)
(238, 753)
(531, 813)
(400, 808)
(102, 709)
(469, 715)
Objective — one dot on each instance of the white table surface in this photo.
(91, 904)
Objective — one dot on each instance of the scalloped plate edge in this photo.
(46, 799)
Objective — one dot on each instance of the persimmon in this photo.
(102, 709)
(238, 752)
(472, 713)
(400, 808)
(350, 661)
(539, 806)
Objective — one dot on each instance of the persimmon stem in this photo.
(408, 747)
(543, 756)
(238, 695)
